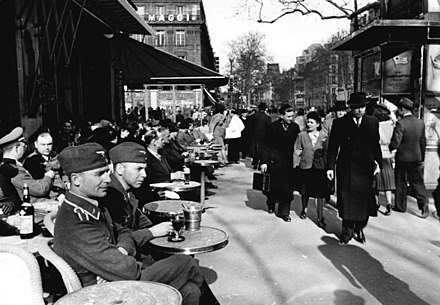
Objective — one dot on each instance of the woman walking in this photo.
(384, 181)
(309, 154)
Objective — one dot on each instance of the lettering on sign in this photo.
(171, 18)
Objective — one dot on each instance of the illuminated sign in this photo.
(171, 18)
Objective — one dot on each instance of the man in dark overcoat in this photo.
(354, 152)
(277, 160)
(257, 125)
(410, 142)
(94, 246)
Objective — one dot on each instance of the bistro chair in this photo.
(19, 285)
(49, 221)
(70, 279)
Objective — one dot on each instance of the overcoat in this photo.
(354, 151)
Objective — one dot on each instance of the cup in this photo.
(193, 217)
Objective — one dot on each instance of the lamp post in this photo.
(231, 86)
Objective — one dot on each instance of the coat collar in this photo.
(115, 184)
(83, 205)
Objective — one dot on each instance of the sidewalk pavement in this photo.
(271, 262)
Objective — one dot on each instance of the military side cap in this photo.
(15, 134)
(128, 152)
(81, 158)
(406, 103)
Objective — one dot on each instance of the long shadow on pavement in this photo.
(364, 271)
(345, 297)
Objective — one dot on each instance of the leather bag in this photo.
(261, 182)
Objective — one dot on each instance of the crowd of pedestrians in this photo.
(356, 146)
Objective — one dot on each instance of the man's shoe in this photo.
(270, 211)
(425, 211)
(397, 210)
(211, 185)
(303, 215)
(322, 224)
(286, 218)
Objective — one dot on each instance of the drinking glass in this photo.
(177, 222)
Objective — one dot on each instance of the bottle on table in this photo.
(26, 215)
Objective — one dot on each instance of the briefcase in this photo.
(261, 182)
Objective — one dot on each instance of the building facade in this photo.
(180, 29)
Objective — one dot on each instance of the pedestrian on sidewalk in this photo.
(354, 152)
(233, 136)
(410, 142)
(309, 155)
(258, 124)
(384, 181)
(277, 160)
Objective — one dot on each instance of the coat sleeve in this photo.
(297, 150)
(333, 144)
(396, 139)
(377, 152)
(101, 257)
(37, 188)
(422, 141)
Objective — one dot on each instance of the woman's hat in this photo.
(358, 100)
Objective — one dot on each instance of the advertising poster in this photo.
(397, 73)
(433, 68)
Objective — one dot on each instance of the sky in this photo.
(285, 39)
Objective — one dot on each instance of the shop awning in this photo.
(381, 32)
(119, 14)
(143, 64)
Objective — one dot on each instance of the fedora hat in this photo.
(358, 100)
(340, 105)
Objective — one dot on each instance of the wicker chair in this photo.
(49, 221)
(70, 279)
(29, 259)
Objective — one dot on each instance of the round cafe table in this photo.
(203, 165)
(124, 293)
(207, 239)
(166, 208)
(176, 186)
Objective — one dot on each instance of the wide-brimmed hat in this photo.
(358, 100)
(340, 105)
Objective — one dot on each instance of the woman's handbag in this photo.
(261, 182)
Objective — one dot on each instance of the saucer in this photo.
(176, 240)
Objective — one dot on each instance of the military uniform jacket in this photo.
(86, 238)
(38, 188)
(124, 210)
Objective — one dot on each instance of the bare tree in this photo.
(249, 56)
(270, 11)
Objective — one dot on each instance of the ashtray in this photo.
(176, 240)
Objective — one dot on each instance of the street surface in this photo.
(271, 262)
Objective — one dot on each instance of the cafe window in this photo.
(180, 10)
(160, 10)
(160, 38)
(180, 38)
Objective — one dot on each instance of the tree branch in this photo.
(301, 7)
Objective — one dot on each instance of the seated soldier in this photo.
(86, 237)
(13, 145)
(128, 174)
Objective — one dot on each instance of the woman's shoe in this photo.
(303, 215)
(322, 224)
(388, 210)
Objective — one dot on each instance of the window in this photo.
(333, 79)
(160, 38)
(141, 11)
(160, 10)
(180, 38)
(180, 10)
